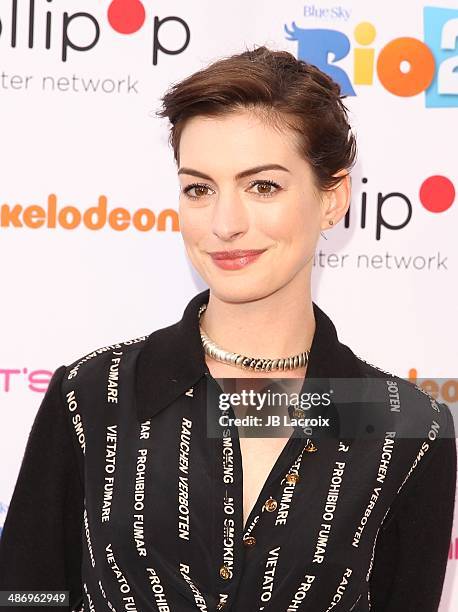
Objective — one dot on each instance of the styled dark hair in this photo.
(284, 91)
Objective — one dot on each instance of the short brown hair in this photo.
(287, 92)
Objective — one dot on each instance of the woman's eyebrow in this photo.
(239, 175)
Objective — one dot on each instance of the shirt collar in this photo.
(172, 358)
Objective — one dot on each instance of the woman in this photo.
(133, 495)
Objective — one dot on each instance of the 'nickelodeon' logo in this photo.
(441, 389)
(93, 218)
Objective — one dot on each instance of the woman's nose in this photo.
(230, 216)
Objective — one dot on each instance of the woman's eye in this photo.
(198, 187)
(266, 190)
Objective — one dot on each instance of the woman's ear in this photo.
(336, 201)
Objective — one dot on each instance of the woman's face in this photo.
(275, 209)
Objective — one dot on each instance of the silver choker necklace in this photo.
(250, 363)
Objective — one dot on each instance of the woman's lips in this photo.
(235, 262)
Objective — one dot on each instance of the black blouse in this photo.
(124, 500)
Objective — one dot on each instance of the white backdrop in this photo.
(80, 82)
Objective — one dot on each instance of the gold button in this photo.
(270, 505)
(292, 478)
(224, 572)
(298, 412)
(311, 448)
(249, 541)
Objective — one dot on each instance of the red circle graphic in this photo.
(437, 193)
(126, 16)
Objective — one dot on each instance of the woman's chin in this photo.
(240, 289)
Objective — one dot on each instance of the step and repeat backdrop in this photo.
(80, 83)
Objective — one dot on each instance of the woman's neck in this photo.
(278, 325)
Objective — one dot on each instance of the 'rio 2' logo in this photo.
(405, 66)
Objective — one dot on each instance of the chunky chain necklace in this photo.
(250, 363)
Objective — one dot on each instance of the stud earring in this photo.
(331, 222)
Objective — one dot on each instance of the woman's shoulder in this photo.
(99, 358)
(415, 412)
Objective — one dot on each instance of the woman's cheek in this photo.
(189, 227)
